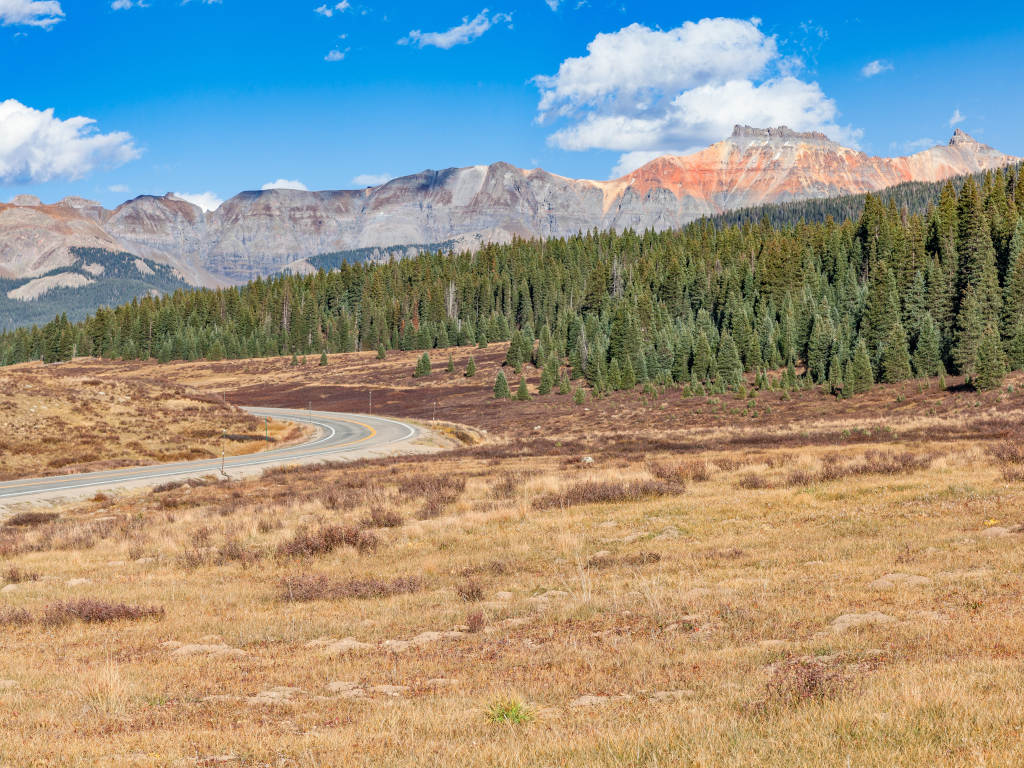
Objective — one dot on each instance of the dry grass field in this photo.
(635, 581)
(52, 424)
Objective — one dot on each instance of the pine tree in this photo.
(451, 363)
(990, 368)
(548, 376)
(471, 368)
(481, 338)
(381, 353)
(295, 360)
(970, 327)
(422, 366)
(729, 367)
(564, 387)
(523, 393)
(701, 367)
(1013, 287)
(577, 396)
(895, 361)
(514, 357)
(1015, 347)
(501, 390)
(819, 349)
(927, 353)
(323, 358)
(615, 375)
(882, 311)
(860, 377)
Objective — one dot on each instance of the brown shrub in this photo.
(30, 519)
(471, 591)
(14, 617)
(1013, 475)
(803, 679)
(306, 543)
(590, 492)
(17, 576)
(475, 621)
(670, 473)
(304, 588)
(509, 485)
(752, 481)
(97, 611)
(383, 517)
(1008, 452)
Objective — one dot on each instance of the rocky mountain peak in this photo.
(962, 138)
(26, 201)
(782, 132)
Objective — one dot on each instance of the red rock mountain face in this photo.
(262, 232)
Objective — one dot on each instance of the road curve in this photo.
(339, 436)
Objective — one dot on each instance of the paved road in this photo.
(339, 436)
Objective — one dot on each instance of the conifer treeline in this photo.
(881, 298)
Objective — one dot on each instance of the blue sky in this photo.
(206, 96)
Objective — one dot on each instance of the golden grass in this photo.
(52, 424)
(676, 627)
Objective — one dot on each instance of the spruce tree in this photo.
(927, 353)
(1013, 287)
(895, 361)
(501, 390)
(990, 368)
(577, 396)
(548, 376)
(564, 387)
(451, 363)
(523, 393)
(481, 337)
(1015, 347)
(615, 375)
(471, 368)
(860, 378)
(514, 357)
(970, 327)
(729, 367)
(295, 360)
(701, 367)
(323, 358)
(381, 353)
(422, 366)
(882, 311)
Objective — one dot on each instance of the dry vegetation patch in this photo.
(704, 591)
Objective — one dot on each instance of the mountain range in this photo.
(264, 232)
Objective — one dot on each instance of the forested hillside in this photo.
(101, 278)
(884, 296)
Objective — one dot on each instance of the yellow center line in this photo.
(56, 478)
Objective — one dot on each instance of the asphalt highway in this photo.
(339, 436)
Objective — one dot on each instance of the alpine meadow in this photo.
(553, 384)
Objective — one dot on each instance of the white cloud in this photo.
(31, 13)
(553, 4)
(285, 184)
(336, 55)
(371, 179)
(208, 201)
(957, 117)
(330, 10)
(35, 146)
(876, 67)
(124, 5)
(640, 90)
(466, 32)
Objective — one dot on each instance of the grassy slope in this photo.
(687, 619)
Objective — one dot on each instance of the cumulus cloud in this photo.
(371, 179)
(553, 4)
(642, 90)
(30, 13)
(285, 184)
(466, 32)
(124, 5)
(957, 117)
(330, 10)
(876, 67)
(36, 146)
(336, 55)
(208, 201)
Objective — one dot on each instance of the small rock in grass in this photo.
(897, 580)
(850, 621)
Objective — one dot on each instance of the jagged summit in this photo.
(962, 138)
(777, 132)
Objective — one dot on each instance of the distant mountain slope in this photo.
(95, 278)
(263, 232)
